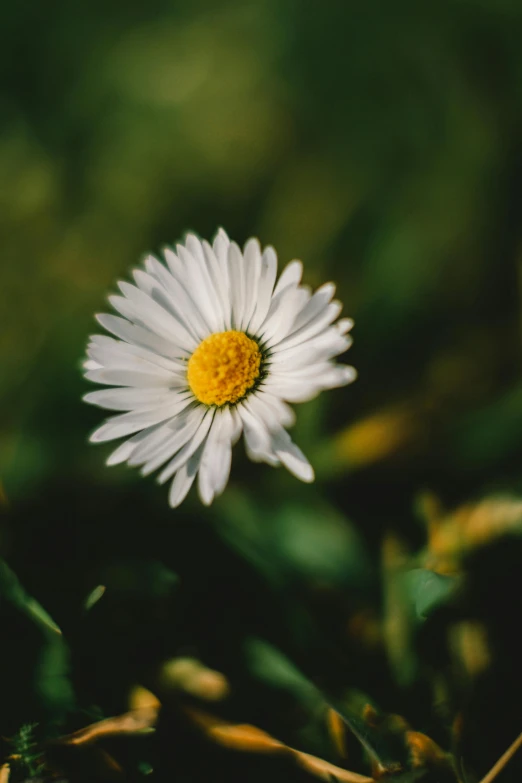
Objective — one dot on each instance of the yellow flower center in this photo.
(224, 367)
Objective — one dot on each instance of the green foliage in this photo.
(379, 142)
(23, 744)
(51, 674)
(427, 590)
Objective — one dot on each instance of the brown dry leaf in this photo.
(249, 738)
(469, 641)
(193, 677)
(135, 722)
(452, 536)
(337, 730)
(376, 437)
(4, 773)
(245, 737)
(424, 752)
(395, 724)
(326, 771)
(371, 716)
(142, 699)
(235, 736)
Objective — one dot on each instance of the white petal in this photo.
(128, 398)
(344, 325)
(257, 456)
(265, 288)
(189, 448)
(220, 284)
(147, 310)
(284, 413)
(313, 309)
(326, 375)
(108, 351)
(222, 234)
(312, 328)
(316, 305)
(293, 391)
(195, 247)
(116, 364)
(252, 262)
(171, 295)
(128, 423)
(176, 435)
(229, 435)
(137, 335)
(320, 348)
(290, 276)
(236, 274)
(220, 247)
(165, 440)
(217, 457)
(209, 462)
(201, 289)
(338, 375)
(237, 425)
(281, 443)
(121, 454)
(125, 450)
(258, 442)
(292, 457)
(143, 311)
(184, 478)
(179, 289)
(159, 378)
(283, 310)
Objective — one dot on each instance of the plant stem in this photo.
(503, 760)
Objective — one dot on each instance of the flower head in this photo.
(209, 345)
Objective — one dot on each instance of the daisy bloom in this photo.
(207, 345)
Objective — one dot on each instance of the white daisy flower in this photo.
(209, 345)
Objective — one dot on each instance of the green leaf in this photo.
(428, 590)
(273, 667)
(51, 673)
(12, 590)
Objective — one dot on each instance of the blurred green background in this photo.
(380, 142)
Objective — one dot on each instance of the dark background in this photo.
(380, 142)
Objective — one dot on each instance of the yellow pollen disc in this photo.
(224, 367)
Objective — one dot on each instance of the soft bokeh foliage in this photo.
(380, 143)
